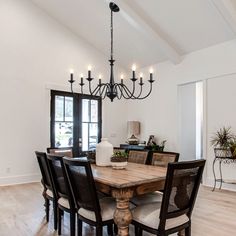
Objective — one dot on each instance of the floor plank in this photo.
(22, 213)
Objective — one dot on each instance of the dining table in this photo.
(123, 184)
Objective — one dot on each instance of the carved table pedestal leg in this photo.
(122, 215)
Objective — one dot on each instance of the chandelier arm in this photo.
(117, 87)
(127, 93)
(101, 91)
(71, 88)
(90, 89)
(96, 91)
(148, 92)
(133, 91)
(106, 90)
(140, 93)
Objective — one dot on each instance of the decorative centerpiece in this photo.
(104, 150)
(119, 160)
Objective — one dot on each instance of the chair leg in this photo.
(115, 229)
(98, 231)
(140, 232)
(188, 231)
(47, 206)
(72, 223)
(79, 227)
(55, 214)
(110, 230)
(59, 220)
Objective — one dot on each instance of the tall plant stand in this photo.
(222, 156)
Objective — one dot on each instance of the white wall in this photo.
(159, 113)
(221, 103)
(36, 52)
(187, 118)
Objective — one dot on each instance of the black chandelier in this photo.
(114, 90)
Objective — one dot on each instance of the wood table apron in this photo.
(135, 179)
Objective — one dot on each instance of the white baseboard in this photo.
(210, 183)
(19, 179)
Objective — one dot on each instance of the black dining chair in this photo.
(164, 158)
(138, 156)
(91, 210)
(65, 200)
(173, 214)
(161, 159)
(65, 151)
(49, 192)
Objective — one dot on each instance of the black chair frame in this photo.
(170, 153)
(48, 183)
(78, 162)
(164, 215)
(67, 194)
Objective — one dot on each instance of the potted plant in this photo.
(222, 141)
(157, 147)
(233, 147)
(119, 160)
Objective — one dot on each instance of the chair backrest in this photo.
(44, 168)
(181, 188)
(58, 175)
(67, 151)
(82, 184)
(163, 158)
(118, 149)
(138, 156)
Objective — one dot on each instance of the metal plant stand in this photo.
(222, 156)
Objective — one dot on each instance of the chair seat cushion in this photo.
(107, 205)
(49, 193)
(148, 215)
(64, 202)
(147, 198)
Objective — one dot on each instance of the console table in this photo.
(134, 147)
(222, 156)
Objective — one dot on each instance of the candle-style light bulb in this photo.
(122, 79)
(71, 74)
(100, 76)
(89, 71)
(81, 79)
(133, 69)
(151, 74)
(141, 78)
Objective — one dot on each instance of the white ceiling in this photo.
(148, 32)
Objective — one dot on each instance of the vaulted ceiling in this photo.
(150, 31)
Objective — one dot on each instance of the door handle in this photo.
(80, 142)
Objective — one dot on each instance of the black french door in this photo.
(75, 121)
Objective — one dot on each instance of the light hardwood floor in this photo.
(22, 213)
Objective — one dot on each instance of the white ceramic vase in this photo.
(104, 151)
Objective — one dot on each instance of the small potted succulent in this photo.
(119, 160)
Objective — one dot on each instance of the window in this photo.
(75, 121)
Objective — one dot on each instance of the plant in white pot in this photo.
(119, 160)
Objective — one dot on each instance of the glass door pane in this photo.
(90, 119)
(63, 126)
(75, 121)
